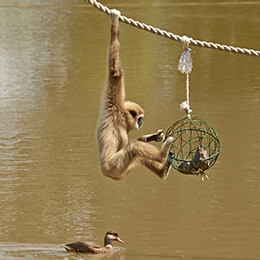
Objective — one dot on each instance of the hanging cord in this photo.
(172, 36)
(185, 66)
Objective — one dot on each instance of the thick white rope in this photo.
(178, 38)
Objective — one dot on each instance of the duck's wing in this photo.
(97, 248)
(78, 247)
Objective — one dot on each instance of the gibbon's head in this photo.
(134, 116)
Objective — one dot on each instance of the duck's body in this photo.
(92, 247)
(88, 247)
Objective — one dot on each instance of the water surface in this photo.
(53, 71)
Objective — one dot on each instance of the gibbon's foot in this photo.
(114, 15)
(166, 146)
(167, 167)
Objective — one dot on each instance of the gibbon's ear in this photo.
(134, 116)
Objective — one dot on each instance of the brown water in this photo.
(53, 70)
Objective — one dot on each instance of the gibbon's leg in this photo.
(136, 151)
(118, 165)
(154, 166)
(161, 169)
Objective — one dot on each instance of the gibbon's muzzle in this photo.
(140, 122)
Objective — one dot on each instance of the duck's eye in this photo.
(133, 114)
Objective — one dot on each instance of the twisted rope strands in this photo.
(172, 36)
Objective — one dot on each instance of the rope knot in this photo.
(184, 106)
(185, 40)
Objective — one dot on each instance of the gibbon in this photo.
(117, 154)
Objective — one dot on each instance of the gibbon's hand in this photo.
(114, 15)
(160, 136)
(115, 12)
(157, 137)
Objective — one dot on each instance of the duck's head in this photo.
(113, 235)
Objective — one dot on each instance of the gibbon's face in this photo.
(135, 115)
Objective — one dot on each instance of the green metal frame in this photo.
(189, 134)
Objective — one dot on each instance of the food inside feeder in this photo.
(187, 167)
(200, 155)
(197, 164)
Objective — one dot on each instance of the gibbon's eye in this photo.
(133, 114)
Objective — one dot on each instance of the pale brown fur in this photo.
(117, 154)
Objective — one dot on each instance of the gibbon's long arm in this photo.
(115, 92)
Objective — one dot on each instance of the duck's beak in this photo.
(120, 240)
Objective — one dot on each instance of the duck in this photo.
(92, 247)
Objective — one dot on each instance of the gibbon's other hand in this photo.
(157, 137)
(160, 136)
(114, 14)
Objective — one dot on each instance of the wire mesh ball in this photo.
(196, 145)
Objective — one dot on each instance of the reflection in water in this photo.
(53, 69)
(50, 251)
